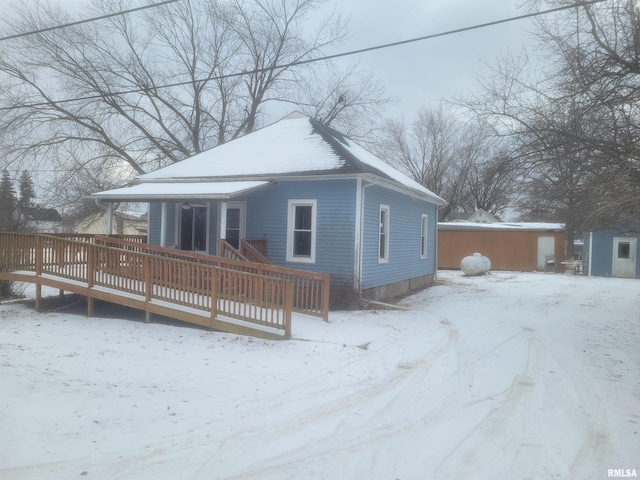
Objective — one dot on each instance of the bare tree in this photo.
(346, 100)
(153, 88)
(458, 161)
(493, 183)
(576, 127)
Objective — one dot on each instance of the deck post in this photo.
(287, 308)
(38, 297)
(325, 298)
(39, 253)
(214, 294)
(91, 265)
(148, 286)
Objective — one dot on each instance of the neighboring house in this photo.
(509, 246)
(613, 252)
(479, 216)
(43, 220)
(482, 216)
(124, 223)
(321, 202)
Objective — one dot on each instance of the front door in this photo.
(625, 250)
(235, 229)
(193, 227)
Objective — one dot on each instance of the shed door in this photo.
(546, 246)
(624, 257)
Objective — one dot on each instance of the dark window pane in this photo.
(303, 217)
(233, 218)
(233, 238)
(382, 254)
(233, 227)
(186, 228)
(624, 249)
(200, 229)
(423, 238)
(302, 244)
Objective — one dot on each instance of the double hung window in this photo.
(383, 237)
(301, 231)
(423, 235)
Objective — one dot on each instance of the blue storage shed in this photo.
(613, 252)
(311, 197)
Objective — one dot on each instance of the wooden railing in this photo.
(89, 237)
(226, 250)
(259, 299)
(310, 289)
(254, 251)
(259, 244)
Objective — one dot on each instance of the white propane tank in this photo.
(476, 264)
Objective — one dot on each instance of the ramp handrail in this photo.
(252, 297)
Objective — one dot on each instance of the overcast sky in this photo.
(420, 73)
(423, 72)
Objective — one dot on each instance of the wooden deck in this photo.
(219, 293)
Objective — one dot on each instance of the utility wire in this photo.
(79, 22)
(312, 60)
(448, 32)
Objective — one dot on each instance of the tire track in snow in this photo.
(382, 402)
(514, 422)
(596, 444)
(206, 451)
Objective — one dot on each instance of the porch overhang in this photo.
(175, 191)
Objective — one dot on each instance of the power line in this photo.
(450, 32)
(316, 59)
(80, 22)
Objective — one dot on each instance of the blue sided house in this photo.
(309, 197)
(613, 252)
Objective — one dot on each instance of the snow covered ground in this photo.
(506, 376)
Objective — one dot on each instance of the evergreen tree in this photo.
(27, 193)
(8, 204)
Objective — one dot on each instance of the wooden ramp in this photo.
(226, 299)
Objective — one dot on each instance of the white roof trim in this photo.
(522, 226)
(179, 190)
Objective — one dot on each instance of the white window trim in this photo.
(242, 206)
(387, 235)
(291, 223)
(424, 240)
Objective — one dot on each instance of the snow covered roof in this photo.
(180, 190)
(297, 146)
(463, 225)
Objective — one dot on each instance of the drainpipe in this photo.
(359, 234)
(435, 272)
(590, 254)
